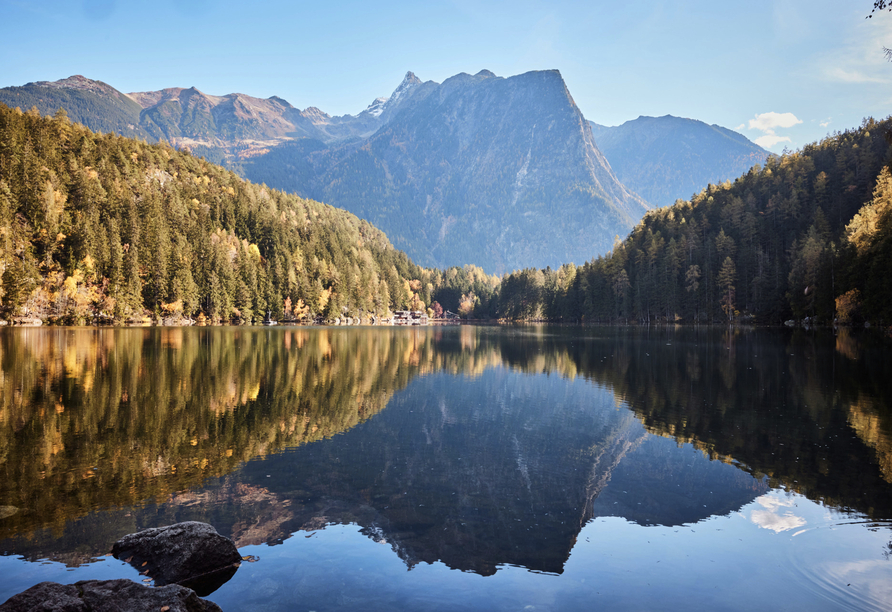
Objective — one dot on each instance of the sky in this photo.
(784, 73)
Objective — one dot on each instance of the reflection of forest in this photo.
(96, 418)
(114, 417)
(796, 409)
(103, 419)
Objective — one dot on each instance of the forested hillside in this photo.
(101, 227)
(783, 241)
(105, 228)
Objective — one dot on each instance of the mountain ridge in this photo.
(502, 172)
(669, 158)
(227, 128)
(463, 199)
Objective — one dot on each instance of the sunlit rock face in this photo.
(499, 172)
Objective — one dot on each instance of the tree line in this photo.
(98, 227)
(807, 236)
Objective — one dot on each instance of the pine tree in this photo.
(727, 277)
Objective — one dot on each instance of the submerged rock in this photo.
(192, 554)
(120, 595)
(7, 511)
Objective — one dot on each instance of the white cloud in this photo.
(771, 518)
(773, 501)
(769, 140)
(776, 522)
(740, 127)
(768, 122)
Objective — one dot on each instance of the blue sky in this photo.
(782, 72)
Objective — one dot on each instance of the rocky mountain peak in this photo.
(410, 81)
(377, 106)
(315, 115)
(79, 82)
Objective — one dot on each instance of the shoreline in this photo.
(34, 322)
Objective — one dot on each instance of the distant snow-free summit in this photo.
(668, 158)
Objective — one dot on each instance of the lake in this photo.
(460, 468)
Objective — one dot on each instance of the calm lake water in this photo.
(460, 468)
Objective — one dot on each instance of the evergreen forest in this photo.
(102, 228)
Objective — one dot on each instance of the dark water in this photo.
(528, 468)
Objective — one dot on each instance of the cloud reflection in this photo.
(772, 517)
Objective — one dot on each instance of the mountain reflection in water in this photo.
(476, 447)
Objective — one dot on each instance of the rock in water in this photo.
(6, 511)
(192, 554)
(120, 595)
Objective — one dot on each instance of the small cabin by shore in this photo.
(410, 317)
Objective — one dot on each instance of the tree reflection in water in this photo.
(497, 445)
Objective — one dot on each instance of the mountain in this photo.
(500, 172)
(806, 237)
(95, 104)
(237, 123)
(222, 128)
(664, 159)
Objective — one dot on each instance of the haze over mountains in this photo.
(504, 173)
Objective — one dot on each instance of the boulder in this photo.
(192, 554)
(120, 595)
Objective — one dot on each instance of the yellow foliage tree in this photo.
(848, 306)
(324, 296)
(862, 229)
